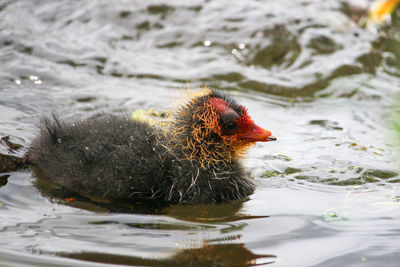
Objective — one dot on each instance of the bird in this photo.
(193, 157)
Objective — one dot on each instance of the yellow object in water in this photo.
(139, 115)
(381, 9)
(149, 116)
(142, 115)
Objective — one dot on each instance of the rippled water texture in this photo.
(309, 71)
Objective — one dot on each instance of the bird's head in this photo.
(213, 123)
(231, 122)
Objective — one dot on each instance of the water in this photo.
(327, 190)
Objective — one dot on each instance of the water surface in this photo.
(309, 71)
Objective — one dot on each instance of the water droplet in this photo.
(33, 77)
(207, 43)
(234, 51)
(259, 34)
(38, 82)
(59, 140)
(87, 148)
(17, 81)
(242, 46)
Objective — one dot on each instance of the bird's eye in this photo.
(230, 126)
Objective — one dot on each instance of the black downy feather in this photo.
(119, 158)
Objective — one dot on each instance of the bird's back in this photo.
(107, 156)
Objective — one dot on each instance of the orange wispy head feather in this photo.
(211, 128)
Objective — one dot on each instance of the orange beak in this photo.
(256, 133)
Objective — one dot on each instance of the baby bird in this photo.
(192, 158)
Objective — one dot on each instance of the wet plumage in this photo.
(192, 158)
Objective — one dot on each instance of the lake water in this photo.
(328, 190)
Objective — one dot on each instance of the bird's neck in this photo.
(204, 151)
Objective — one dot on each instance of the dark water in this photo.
(327, 87)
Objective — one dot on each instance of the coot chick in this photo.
(192, 158)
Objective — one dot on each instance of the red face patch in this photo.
(221, 106)
(244, 121)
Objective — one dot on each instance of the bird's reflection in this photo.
(221, 251)
(208, 255)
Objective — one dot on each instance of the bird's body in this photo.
(191, 159)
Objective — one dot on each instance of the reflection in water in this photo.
(11, 155)
(219, 251)
(9, 163)
(208, 255)
(3, 179)
(224, 212)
